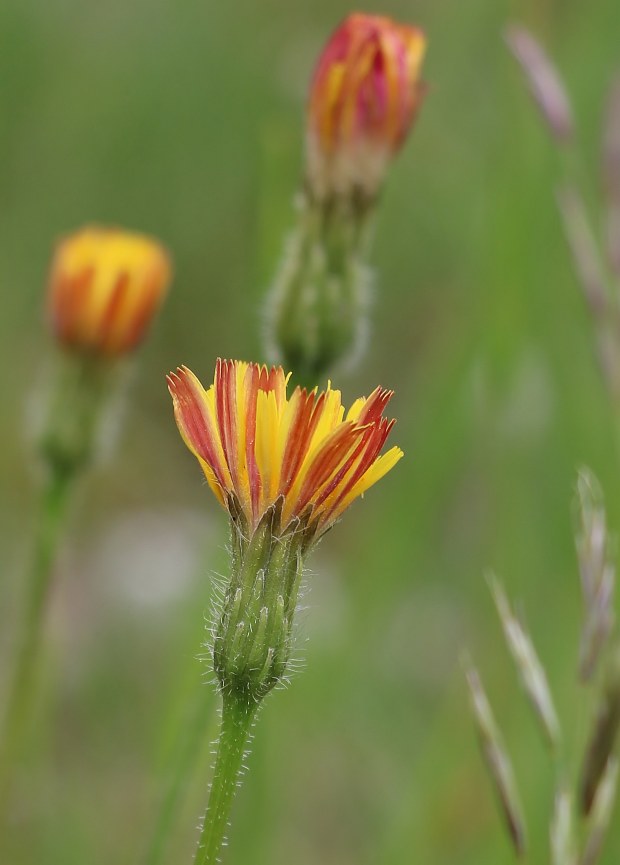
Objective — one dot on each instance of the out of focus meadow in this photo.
(186, 120)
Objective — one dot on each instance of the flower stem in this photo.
(54, 498)
(238, 712)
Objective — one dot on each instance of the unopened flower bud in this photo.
(364, 96)
(105, 287)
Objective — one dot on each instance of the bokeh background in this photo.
(185, 120)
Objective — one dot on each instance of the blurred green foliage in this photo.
(185, 120)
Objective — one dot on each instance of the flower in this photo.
(259, 448)
(363, 99)
(105, 287)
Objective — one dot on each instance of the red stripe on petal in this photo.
(252, 379)
(371, 450)
(263, 378)
(143, 309)
(375, 406)
(68, 305)
(275, 380)
(225, 404)
(300, 435)
(110, 324)
(336, 448)
(193, 420)
(340, 476)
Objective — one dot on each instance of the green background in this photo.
(185, 119)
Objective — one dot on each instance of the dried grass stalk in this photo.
(497, 761)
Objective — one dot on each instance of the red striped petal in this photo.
(194, 421)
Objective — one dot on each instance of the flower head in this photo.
(105, 287)
(259, 448)
(363, 99)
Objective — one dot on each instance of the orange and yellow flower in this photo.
(257, 446)
(105, 287)
(364, 96)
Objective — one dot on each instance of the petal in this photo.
(193, 410)
(335, 450)
(379, 468)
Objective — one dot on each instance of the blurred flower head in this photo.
(259, 448)
(364, 96)
(105, 287)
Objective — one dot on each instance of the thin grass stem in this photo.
(53, 505)
(183, 762)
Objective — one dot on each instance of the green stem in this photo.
(53, 504)
(238, 712)
(189, 746)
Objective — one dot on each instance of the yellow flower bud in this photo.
(105, 286)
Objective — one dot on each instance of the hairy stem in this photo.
(238, 712)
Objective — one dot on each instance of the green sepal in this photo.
(318, 306)
(254, 631)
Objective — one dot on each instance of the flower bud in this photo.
(105, 287)
(363, 99)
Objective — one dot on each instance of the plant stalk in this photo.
(52, 510)
(238, 713)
